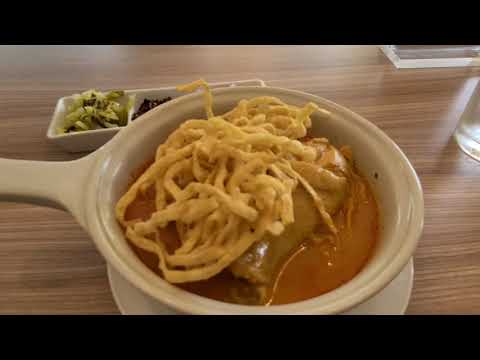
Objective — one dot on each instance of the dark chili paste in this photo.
(148, 105)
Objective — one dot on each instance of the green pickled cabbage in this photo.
(93, 110)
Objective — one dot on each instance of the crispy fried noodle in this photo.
(225, 182)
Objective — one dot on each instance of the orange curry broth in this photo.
(312, 270)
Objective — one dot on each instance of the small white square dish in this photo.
(93, 139)
(83, 140)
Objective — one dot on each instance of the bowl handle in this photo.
(56, 184)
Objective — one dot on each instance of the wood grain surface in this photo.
(48, 264)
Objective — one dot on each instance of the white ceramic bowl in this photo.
(90, 187)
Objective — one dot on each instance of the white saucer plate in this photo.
(393, 300)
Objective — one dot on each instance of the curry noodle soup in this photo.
(246, 208)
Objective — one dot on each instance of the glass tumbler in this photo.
(467, 133)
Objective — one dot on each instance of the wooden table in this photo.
(48, 264)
